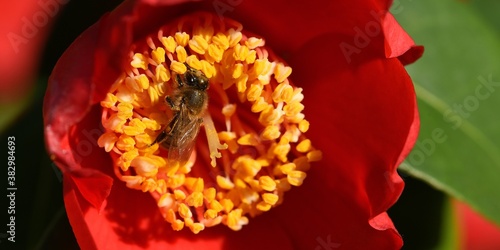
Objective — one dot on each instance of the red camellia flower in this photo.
(180, 125)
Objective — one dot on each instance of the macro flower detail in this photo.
(254, 148)
(169, 117)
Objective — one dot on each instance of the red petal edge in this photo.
(398, 42)
(67, 102)
(76, 215)
(364, 120)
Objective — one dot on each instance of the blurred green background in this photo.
(458, 153)
(458, 88)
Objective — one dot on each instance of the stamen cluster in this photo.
(254, 111)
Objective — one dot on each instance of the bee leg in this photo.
(172, 124)
(179, 81)
(160, 138)
(165, 135)
(174, 103)
(170, 102)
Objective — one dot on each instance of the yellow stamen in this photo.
(195, 199)
(184, 211)
(139, 61)
(270, 133)
(166, 200)
(267, 183)
(263, 206)
(125, 110)
(282, 72)
(125, 143)
(158, 55)
(181, 53)
(110, 101)
(315, 155)
(254, 42)
(304, 146)
(178, 67)
(177, 225)
(224, 182)
(107, 141)
(269, 198)
(283, 93)
(169, 43)
(198, 44)
(182, 38)
(303, 126)
(248, 140)
(296, 178)
(221, 40)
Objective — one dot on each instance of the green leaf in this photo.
(9, 112)
(458, 88)
(450, 234)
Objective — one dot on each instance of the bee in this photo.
(188, 102)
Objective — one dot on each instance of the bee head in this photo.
(196, 79)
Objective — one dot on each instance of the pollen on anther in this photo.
(169, 43)
(178, 67)
(198, 44)
(210, 214)
(209, 194)
(158, 55)
(270, 133)
(270, 198)
(177, 225)
(254, 42)
(139, 61)
(267, 183)
(248, 140)
(221, 40)
(107, 141)
(182, 38)
(184, 211)
(296, 178)
(125, 143)
(304, 146)
(303, 126)
(110, 101)
(315, 155)
(181, 54)
(179, 195)
(283, 93)
(166, 200)
(224, 182)
(282, 72)
(195, 199)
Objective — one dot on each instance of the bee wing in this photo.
(185, 137)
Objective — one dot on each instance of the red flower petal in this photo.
(70, 136)
(134, 223)
(362, 125)
(93, 185)
(67, 98)
(289, 25)
(399, 43)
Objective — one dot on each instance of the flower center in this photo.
(153, 113)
